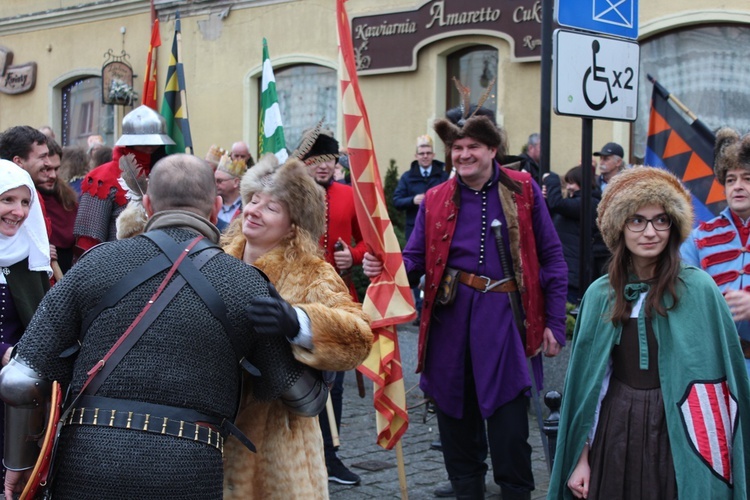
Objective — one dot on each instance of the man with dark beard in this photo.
(61, 203)
(27, 147)
(343, 247)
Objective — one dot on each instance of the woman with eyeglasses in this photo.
(656, 396)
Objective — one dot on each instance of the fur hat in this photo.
(637, 187)
(730, 152)
(317, 146)
(293, 186)
(480, 126)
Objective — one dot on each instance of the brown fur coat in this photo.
(290, 462)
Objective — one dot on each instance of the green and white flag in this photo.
(270, 128)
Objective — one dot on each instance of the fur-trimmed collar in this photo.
(186, 220)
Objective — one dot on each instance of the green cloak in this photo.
(698, 346)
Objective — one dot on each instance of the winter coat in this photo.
(289, 462)
(566, 216)
(699, 354)
(411, 184)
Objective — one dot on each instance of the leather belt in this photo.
(147, 422)
(485, 284)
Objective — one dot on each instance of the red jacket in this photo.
(91, 227)
(341, 222)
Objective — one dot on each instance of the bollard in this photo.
(552, 400)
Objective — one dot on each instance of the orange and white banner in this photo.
(388, 300)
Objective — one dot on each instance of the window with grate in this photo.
(705, 68)
(306, 93)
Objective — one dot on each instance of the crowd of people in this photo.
(201, 314)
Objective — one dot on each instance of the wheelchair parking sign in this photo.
(595, 76)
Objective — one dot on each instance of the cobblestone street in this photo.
(424, 467)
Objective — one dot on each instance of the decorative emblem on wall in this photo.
(15, 79)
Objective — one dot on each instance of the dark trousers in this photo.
(417, 293)
(337, 397)
(465, 442)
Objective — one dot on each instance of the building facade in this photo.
(52, 53)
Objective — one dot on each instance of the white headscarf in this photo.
(31, 238)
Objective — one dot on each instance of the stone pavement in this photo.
(424, 467)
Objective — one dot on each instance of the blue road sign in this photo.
(611, 17)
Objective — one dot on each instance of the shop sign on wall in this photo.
(388, 43)
(15, 79)
(117, 80)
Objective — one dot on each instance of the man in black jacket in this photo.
(425, 172)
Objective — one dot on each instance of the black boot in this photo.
(470, 488)
(509, 494)
(445, 491)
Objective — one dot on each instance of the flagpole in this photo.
(332, 421)
(401, 470)
(672, 98)
(183, 94)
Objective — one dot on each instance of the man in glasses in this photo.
(228, 176)
(720, 246)
(425, 172)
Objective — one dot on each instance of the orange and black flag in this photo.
(388, 300)
(687, 150)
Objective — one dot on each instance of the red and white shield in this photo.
(709, 412)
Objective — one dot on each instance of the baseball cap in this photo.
(611, 148)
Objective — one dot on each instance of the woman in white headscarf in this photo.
(24, 259)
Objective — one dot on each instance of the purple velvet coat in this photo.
(482, 323)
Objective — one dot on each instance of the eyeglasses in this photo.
(639, 224)
(219, 181)
(425, 154)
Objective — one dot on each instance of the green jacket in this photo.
(699, 350)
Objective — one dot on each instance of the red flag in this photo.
(149, 82)
(388, 300)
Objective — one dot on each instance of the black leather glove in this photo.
(273, 315)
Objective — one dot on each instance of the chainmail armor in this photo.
(184, 359)
(96, 217)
